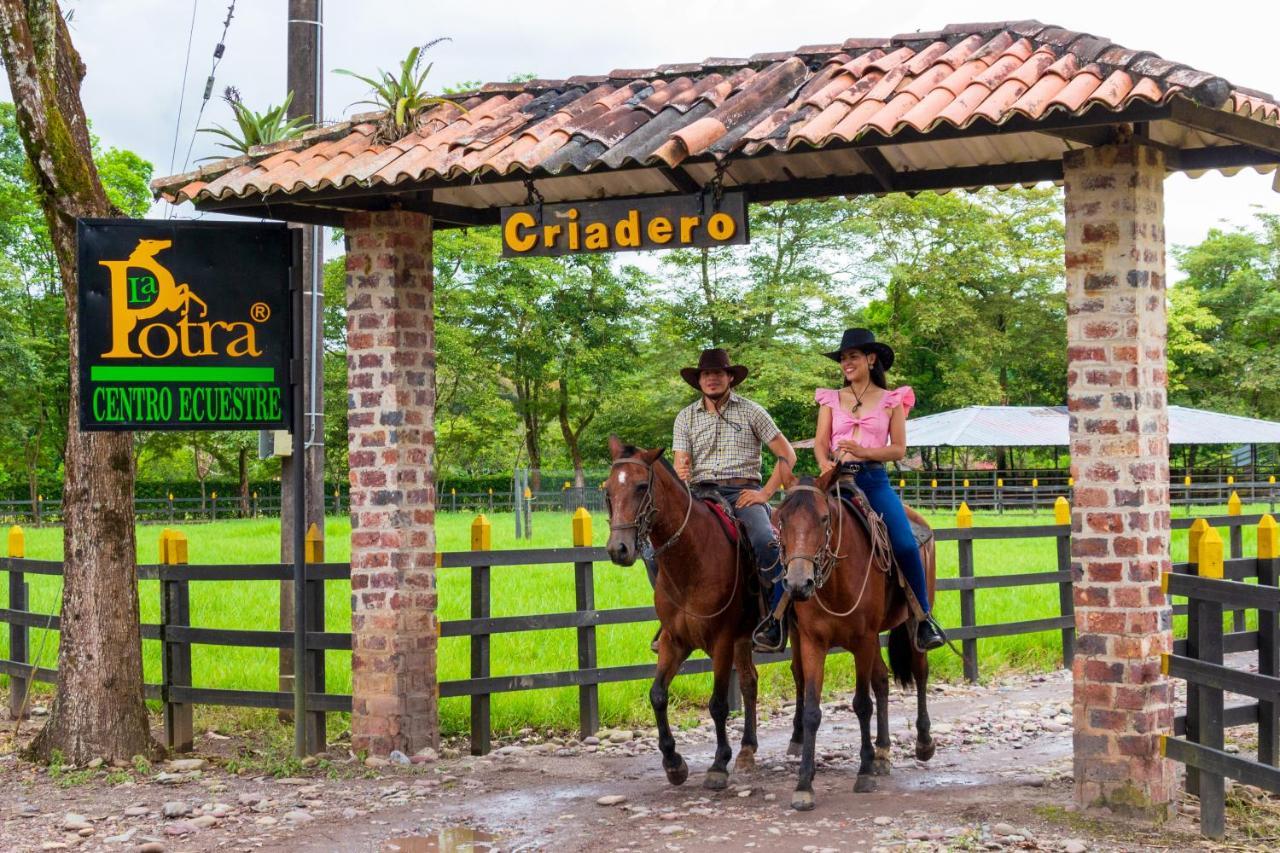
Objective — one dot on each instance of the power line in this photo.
(218, 51)
(182, 92)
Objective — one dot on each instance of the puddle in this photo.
(451, 839)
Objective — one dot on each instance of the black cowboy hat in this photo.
(714, 359)
(865, 340)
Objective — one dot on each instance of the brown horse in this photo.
(843, 599)
(700, 596)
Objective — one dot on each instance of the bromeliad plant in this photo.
(404, 95)
(257, 128)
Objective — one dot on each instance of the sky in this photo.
(135, 52)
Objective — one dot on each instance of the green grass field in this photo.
(538, 589)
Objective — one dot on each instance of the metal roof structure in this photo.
(967, 106)
(1047, 426)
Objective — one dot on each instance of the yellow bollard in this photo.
(1194, 535)
(18, 542)
(313, 547)
(173, 547)
(480, 533)
(582, 528)
(1061, 511)
(1233, 504)
(964, 516)
(1268, 538)
(1210, 562)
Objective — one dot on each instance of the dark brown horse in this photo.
(700, 596)
(842, 598)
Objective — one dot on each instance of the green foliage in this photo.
(253, 128)
(403, 95)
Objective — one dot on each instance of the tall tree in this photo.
(98, 710)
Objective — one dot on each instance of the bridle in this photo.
(825, 560)
(643, 524)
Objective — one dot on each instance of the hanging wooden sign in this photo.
(184, 325)
(692, 221)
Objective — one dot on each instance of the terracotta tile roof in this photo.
(678, 115)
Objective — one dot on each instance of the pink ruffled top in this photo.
(874, 420)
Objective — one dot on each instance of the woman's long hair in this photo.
(876, 372)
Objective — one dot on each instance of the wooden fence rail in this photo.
(177, 634)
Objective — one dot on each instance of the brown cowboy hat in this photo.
(714, 359)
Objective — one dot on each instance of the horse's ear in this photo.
(824, 481)
(615, 447)
(654, 455)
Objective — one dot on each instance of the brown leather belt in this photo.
(735, 482)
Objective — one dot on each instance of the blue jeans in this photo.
(884, 500)
(764, 543)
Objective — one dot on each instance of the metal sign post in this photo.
(301, 672)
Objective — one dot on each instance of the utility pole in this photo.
(305, 57)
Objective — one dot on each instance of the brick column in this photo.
(1120, 461)
(391, 443)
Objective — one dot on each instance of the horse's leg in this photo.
(920, 672)
(866, 656)
(880, 686)
(670, 655)
(797, 676)
(812, 656)
(748, 680)
(717, 778)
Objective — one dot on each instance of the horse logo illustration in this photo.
(137, 298)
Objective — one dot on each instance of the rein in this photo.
(643, 525)
(825, 560)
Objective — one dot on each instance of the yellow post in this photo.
(1231, 479)
(1186, 481)
(214, 496)
(582, 528)
(933, 484)
(966, 484)
(1194, 535)
(18, 542)
(1035, 482)
(902, 484)
(964, 516)
(1000, 482)
(528, 493)
(313, 548)
(1071, 482)
(1271, 480)
(1268, 538)
(566, 484)
(173, 547)
(480, 530)
(1233, 504)
(1061, 511)
(1210, 565)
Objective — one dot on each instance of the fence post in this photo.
(1035, 491)
(964, 518)
(585, 594)
(1271, 493)
(175, 612)
(480, 541)
(1237, 551)
(1066, 589)
(1000, 495)
(1209, 649)
(1196, 533)
(1186, 492)
(314, 668)
(18, 685)
(214, 507)
(1268, 641)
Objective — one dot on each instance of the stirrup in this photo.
(759, 639)
(915, 634)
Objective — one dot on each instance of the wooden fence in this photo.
(177, 635)
(1210, 583)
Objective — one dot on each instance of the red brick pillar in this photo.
(391, 443)
(1120, 461)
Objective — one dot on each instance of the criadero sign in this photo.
(184, 325)
(621, 225)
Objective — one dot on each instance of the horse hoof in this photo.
(746, 761)
(881, 767)
(795, 748)
(925, 749)
(802, 801)
(865, 784)
(677, 775)
(716, 780)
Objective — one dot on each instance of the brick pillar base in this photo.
(1120, 461)
(391, 441)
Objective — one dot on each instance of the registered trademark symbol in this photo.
(259, 312)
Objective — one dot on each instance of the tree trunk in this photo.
(98, 711)
(244, 482)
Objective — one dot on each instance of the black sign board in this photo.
(697, 220)
(184, 325)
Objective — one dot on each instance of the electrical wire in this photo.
(182, 90)
(218, 50)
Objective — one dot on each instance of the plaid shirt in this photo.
(723, 447)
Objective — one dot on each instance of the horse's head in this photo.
(628, 496)
(804, 534)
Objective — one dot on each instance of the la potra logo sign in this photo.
(184, 325)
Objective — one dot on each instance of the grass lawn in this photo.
(538, 589)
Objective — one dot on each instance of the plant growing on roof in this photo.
(257, 128)
(403, 96)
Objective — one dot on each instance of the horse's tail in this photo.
(900, 653)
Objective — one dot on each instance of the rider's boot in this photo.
(929, 635)
(771, 635)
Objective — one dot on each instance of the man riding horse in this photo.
(716, 442)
